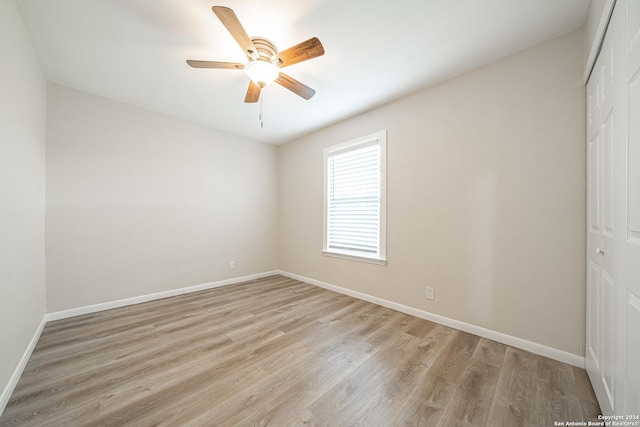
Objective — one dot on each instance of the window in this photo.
(354, 199)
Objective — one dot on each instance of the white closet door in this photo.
(629, 255)
(594, 232)
(613, 234)
(601, 229)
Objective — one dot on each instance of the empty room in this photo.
(323, 213)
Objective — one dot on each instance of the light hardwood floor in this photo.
(280, 352)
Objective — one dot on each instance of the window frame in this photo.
(380, 257)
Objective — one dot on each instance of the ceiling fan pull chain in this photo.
(261, 113)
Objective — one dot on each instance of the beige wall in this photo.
(23, 108)
(486, 198)
(139, 203)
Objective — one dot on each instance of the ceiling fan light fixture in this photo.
(261, 72)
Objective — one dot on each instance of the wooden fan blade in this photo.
(301, 52)
(295, 86)
(253, 92)
(235, 28)
(215, 64)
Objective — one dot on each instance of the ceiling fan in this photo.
(264, 60)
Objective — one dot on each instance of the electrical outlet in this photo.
(232, 265)
(430, 293)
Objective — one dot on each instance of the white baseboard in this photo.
(17, 373)
(72, 312)
(509, 340)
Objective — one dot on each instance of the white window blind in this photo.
(354, 198)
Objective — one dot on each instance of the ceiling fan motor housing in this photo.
(267, 51)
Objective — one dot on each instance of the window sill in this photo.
(377, 261)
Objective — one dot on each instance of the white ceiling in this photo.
(375, 51)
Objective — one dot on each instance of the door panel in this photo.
(594, 184)
(608, 69)
(608, 344)
(633, 192)
(593, 319)
(632, 356)
(632, 34)
(607, 170)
